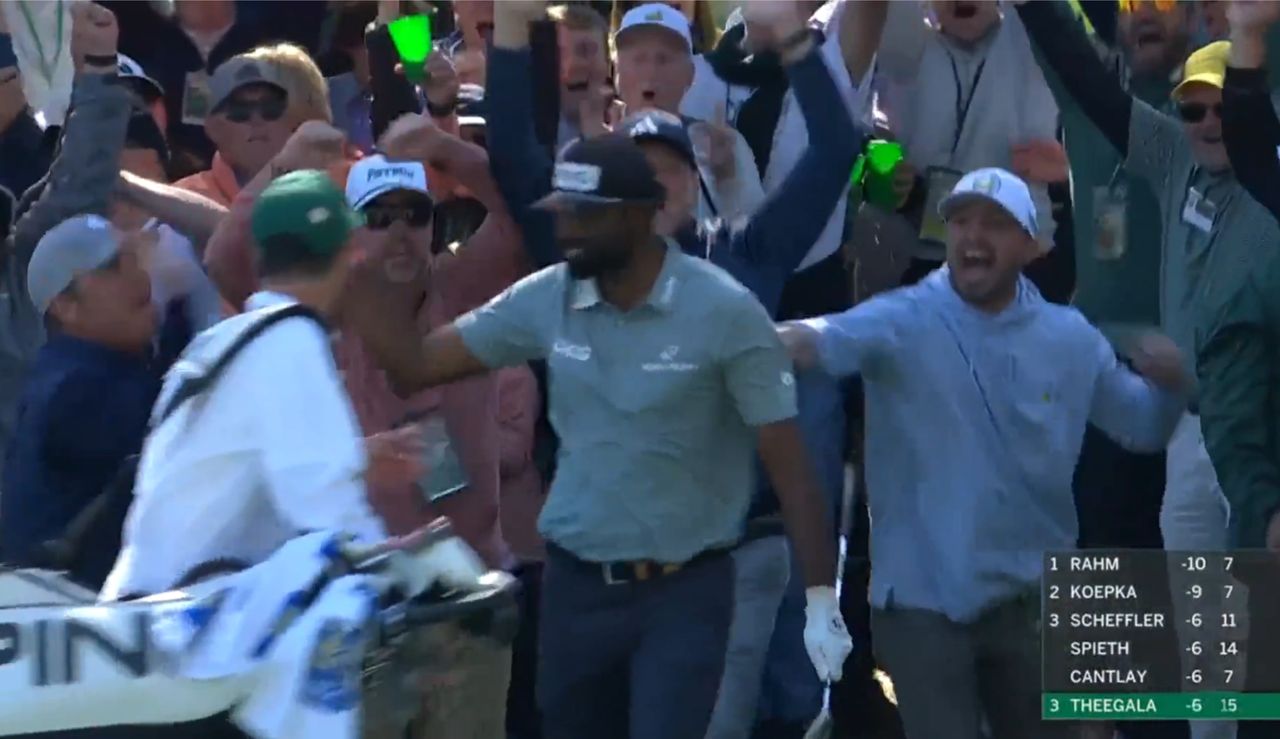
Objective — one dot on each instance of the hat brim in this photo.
(567, 200)
(685, 152)
(383, 189)
(622, 33)
(150, 88)
(216, 104)
(951, 202)
(1213, 79)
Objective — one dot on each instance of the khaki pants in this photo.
(445, 684)
(948, 676)
(465, 686)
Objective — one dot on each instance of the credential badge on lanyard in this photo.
(1199, 211)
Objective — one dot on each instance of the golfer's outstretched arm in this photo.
(506, 331)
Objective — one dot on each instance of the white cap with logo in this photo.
(998, 186)
(374, 176)
(656, 14)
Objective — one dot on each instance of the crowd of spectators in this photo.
(153, 157)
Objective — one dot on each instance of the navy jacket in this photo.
(84, 410)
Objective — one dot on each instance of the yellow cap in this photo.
(1164, 6)
(1208, 64)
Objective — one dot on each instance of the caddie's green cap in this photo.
(307, 205)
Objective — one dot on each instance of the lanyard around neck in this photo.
(963, 102)
(47, 65)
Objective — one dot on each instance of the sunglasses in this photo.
(1195, 112)
(380, 217)
(270, 109)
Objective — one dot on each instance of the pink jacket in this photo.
(523, 489)
(491, 260)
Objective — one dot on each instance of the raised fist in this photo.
(94, 32)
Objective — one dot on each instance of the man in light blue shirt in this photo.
(977, 395)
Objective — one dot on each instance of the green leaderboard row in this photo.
(1162, 706)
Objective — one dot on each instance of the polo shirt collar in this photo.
(267, 299)
(224, 178)
(586, 293)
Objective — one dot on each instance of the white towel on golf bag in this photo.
(310, 682)
(301, 664)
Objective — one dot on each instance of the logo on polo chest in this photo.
(572, 351)
(667, 362)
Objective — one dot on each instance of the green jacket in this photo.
(1238, 367)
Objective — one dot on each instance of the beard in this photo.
(591, 258)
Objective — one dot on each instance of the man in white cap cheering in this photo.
(977, 395)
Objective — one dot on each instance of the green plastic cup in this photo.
(882, 161)
(412, 37)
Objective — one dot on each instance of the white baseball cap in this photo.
(374, 176)
(998, 186)
(127, 68)
(80, 244)
(656, 14)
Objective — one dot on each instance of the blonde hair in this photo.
(305, 85)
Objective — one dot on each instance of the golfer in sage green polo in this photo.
(666, 376)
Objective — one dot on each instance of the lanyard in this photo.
(47, 66)
(963, 102)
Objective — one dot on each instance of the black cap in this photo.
(604, 170)
(663, 127)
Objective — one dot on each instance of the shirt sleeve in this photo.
(1157, 146)
(1235, 366)
(861, 339)
(313, 454)
(507, 330)
(1135, 413)
(757, 369)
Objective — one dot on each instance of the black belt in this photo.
(617, 573)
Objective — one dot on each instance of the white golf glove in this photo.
(825, 635)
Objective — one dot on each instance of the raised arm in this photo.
(860, 27)
(229, 254)
(860, 340)
(393, 94)
(83, 176)
(793, 216)
(493, 257)
(506, 331)
(191, 214)
(1250, 128)
(521, 166)
(1065, 47)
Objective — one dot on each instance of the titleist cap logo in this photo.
(577, 177)
(383, 173)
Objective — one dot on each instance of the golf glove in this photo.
(825, 635)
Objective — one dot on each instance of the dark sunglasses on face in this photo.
(271, 109)
(380, 217)
(1195, 112)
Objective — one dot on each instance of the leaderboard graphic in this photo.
(1147, 634)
